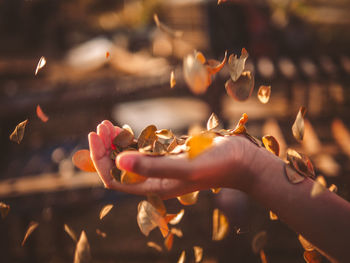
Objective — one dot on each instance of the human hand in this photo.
(226, 164)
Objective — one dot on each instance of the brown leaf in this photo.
(271, 144)
(18, 133)
(4, 209)
(147, 136)
(155, 246)
(301, 163)
(31, 227)
(165, 134)
(116, 173)
(172, 79)
(82, 160)
(236, 65)
(306, 244)
(70, 232)
(220, 225)
(188, 199)
(259, 241)
(105, 210)
(312, 256)
(41, 64)
(182, 257)
(100, 233)
(41, 115)
(293, 176)
(273, 216)
(157, 203)
(82, 250)
(166, 29)
(264, 94)
(172, 145)
(298, 125)
(198, 253)
(131, 178)
(169, 241)
(242, 89)
(213, 122)
(123, 139)
(318, 187)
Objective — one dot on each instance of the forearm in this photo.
(324, 220)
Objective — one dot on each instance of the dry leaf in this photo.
(31, 227)
(116, 173)
(298, 126)
(306, 244)
(263, 256)
(18, 133)
(155, 246)
(198, 253)
(82, 250)
(293, 176)
(172, 145)
(341, 135)
(195, 74)
(165, 134)
(147, 137)
(312, 256)
(198, 144)
(123, 139)
(82, 160)
(41, 64)
(131, 178)
(168, 241)
(264, 94)
(159, 149)
(242, 89)
(100, 233)
(240, 128)
(259, 241)
(172, 79)
(70, 232)
(105, 210)
(41, 115)
(177, 218)
(236, 65)
(4, 209)
(214, 66)
(318, 187)
(273, 216)
(148, 218)
(333, 188)
(301, 163)
(220, 225)
(188, 199)
(166, 29)
(128, 128)
(213, 122)
(177, 232)
(182, 257)
(216, 190)
(157, 203)
(271, 144)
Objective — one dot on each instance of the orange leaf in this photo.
(41, 115)
(82, 160)
(264, 93)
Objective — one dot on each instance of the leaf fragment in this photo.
(71, 233)
(188, 199)
(271, 144)
(131, 178)
(157, 203)
(177, 218)
(82, 250)
(213, 122)
(155, 246)
(242, 89)
(312, 256)
(301, 163)
(236, 65)
(273, 216)
(105, 210)
(41, 64)
(172, 79)
(4, 210)
(318, 187)
(298, 125)
(214, 66)
(333, 188)
(18, 133)
(165, 134)
(195, 74)
(264, 93)
(259, 241)
(198, 253)
(82, 160)
(182, 257)
(147, 136)
(123, 139)
(41, 115)
(177, 232)
(169, 241)
(101, 233)
(240, 127)
(220, 225)
(215, 190)
(31, 227)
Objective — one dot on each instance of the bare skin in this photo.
(234, 162)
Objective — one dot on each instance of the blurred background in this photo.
(300, 48)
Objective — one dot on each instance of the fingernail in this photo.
(125, 161)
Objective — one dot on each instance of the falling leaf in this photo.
(172, 79)
(264, 94)
(199, 143)
(123, 139)
(318, 187)
(4, 209)
(293, 176)
(107, 54)
(70, 232)
(333, 188)
(259, 241)
(131, 178)
(41, 64)
(18, 133)
(263, 256)
(306, 244)
(312, 257)
(182, 257)
(298, 126)
(147, 136)
(213, 122)
(166, 29)
(216, 190)
(100, 233)
(271, 144)
(198, 253)
(188, 199)
(177, 218)
(82, 160)
(155, 246)
(195, 74)
(236, 65)
(301, 163)
(177, 232)
(105, 210)
(41, 115)
(157, 203)
(273, 216)
(31, 227)
(169, 241)
(148, 218)
(220, 225)
(214, 66)
(82, 250)
(242, 89)
(165, 134)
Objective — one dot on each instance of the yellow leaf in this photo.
(220, 225)
(199, 143)
(105, 210)
(189, 199)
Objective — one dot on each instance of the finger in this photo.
(104, 134)
(113, 130)
(161, 167)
